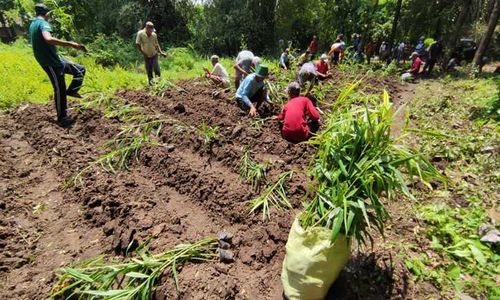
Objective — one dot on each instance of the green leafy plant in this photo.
(358, 162)
(133, 279)
(274, 195)
(251, 171)
(208, 133)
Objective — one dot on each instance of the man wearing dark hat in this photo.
(252, 91)
(147, 43)
(44, 48)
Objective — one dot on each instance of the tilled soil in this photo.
(180, 191)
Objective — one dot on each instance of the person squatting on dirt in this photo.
(245, 62)
(415, 67)
(307, 73)
(252, 92)
(322, 68)
(147, 43)
(44, 49)
(219, 74)
(300, 117)
(285, 59)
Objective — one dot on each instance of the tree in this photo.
(397, 15)
(485, 41)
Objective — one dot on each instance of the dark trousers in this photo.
(56, 76)
(152, 65)
(256, 100)
(429, 66)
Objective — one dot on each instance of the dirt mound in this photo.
(179, 191)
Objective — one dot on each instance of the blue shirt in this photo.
(248, 88)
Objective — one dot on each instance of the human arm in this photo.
(253, 110)
(237, 67)
(312, 112)
(47, 36)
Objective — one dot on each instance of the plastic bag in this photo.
(311, 262)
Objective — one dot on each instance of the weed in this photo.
(274, 195)
(251, 171)
(207, 133)
(134, 279)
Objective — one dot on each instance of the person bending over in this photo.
(44, 49)
(322, 69)
(300, 117)
(252, 91)
(219, 74)
(245, 62)
(414, 72)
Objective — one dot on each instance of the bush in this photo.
(113, 50)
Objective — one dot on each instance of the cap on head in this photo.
(262, 71)
(214, 57)
(323, 56)
(293, 88)
(414, 54)
(41, 9)
(150, 24)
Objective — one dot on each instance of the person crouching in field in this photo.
(219, 74)
(44, 49)
(414, 72)
(252, 91)
(307, 73)
(322, 70)
(300, 117)
(147, 43)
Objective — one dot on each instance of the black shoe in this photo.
(74, 95)
(66, 122)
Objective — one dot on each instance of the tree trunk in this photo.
(397, 15)
(478, 57)
(459, 24)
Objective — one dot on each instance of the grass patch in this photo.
(273, 196)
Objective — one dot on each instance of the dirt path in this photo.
(180, 192)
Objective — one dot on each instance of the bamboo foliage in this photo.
(357, 168)
(134, 279)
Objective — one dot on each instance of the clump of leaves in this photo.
(125, 146)
(251, 171)
(356, 163)
(274, 195)
(160, 87)
(134, 279)
(208, 133)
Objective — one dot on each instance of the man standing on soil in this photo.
(313, 47)
(296, 112)
(44, 49)
(219, 74)
(252, 91)
(435, 52)
(245, 61)
(147, 43)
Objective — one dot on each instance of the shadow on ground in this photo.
(369, 276)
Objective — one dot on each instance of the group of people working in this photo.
(249, 76)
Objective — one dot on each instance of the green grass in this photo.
(23, 80)
(462, 117)
(273, 196)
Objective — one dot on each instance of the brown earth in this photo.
(178, 192)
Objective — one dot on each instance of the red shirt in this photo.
(415, 66)
(322, 67)
(294, 115)
(313, 47)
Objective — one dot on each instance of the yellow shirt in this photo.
(148, 43)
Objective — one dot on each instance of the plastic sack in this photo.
(311, 262)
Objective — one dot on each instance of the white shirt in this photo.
(220, 71)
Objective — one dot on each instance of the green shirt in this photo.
(45, 54)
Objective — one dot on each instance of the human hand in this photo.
(253, 112)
